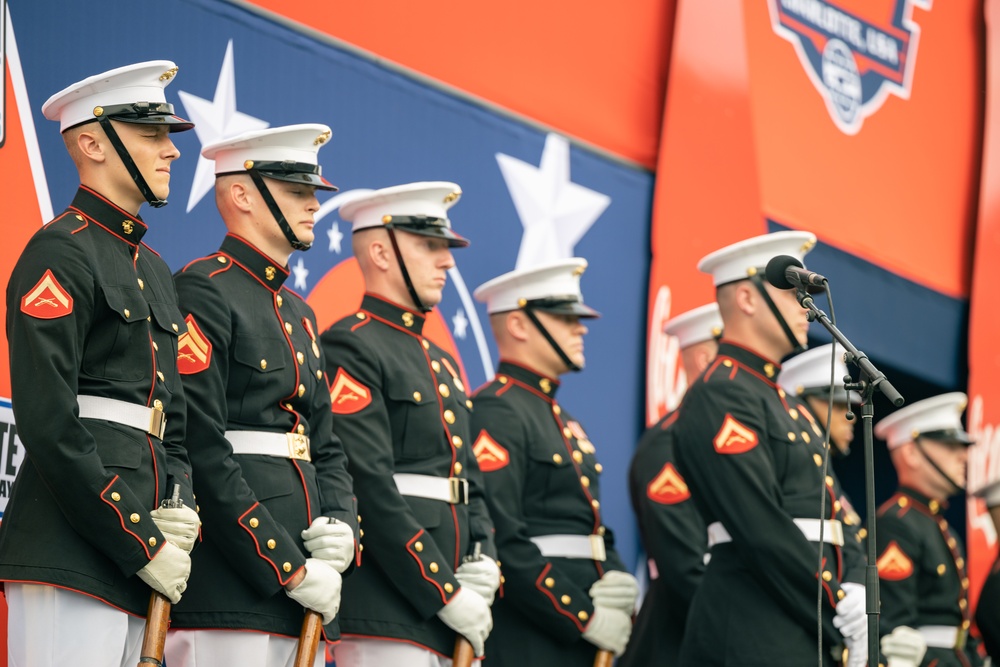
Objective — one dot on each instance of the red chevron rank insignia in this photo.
(47, 300)
(668, 488)
(347, 395)
(194, 350)
(734, 437)
(894, 564)
(490, 454)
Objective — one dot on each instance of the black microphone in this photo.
(786, 272)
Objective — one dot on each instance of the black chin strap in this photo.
(279, 217)
(552, 341)
(958, 487)
(133, 170)
(759, 282)
(406, 274)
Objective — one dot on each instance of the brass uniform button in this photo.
(254, 522)
(458, 468)
(583, 616)
(727, 363)
(585, 481)
(134, 518)
(827, 576)
(791, 436)
(115, 496)
(595, 503)
(841, 594)
(417, 396)
(302, 390)
(448, 588)
(263, 364)
(433, 567)
(271, 544)
(557, 458)
(426, 344)
(155, 346)
(418, 546)
(127, 312)
(142, 285)
(601, 530)
(436, 366)
(449, 416)
(962, 604)
(278, 300)
(556, 409)
(287, 567)
(456, 440)
(836, 505)
(301, 358)
(152, 541)
(599, 468)
(567, 433)
(578, 456)
(222, 260)
(565, 599)
(360, 316)
(960, 562)
(443, 390)
(933, 506)
(319, 375)
(793, 413)
(159, 374)
(503, 379)
(941, 569)
(805, 437)
(550, 582)
(903, 502)
(829, 481)
(468, 403)
(952, 543)
(300, 429)
(288, 327)
(175, 327)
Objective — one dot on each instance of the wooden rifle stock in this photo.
(604, 658)
(464, 655)
(157, 622)
(312, 630)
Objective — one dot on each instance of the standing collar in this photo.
(760, 365)
(110, 216)
(265, 269)
(393, 313)
(928, 504)
(524, 375)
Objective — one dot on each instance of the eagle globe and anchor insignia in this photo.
(856, 52)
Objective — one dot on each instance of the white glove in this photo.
(319, 590)
(469, 615)
(481, 576)
(168, 572)
(609, 628)
(851, 618)
(178, 524)
(330, 540)
(857, 651)
(618, 590)
(904, 647)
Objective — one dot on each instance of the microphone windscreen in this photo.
(774, 272)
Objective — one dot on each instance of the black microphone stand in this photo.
(871, 379)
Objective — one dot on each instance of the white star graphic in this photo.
(215, 120)
(301, 273)
(459, 324)
(554, 211)
(336, 236)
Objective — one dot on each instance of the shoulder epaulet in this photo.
(209, 265)
(67, 221)
(899, 502)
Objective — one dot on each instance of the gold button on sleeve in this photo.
(152, 541)
(254, 522)
(134, 518)
(550, 582)
(287, 567)
(448, 588)
(827, 576)
(271, 544)
(418, 546)
(583, 616)
(115, 496)
(433, 567)
(841, 594)
(565, 599)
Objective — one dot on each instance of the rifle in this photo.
(158, 613)
(312, 630)
(464, 655)
(604, 658)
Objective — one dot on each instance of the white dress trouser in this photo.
(361, 652)
(221, 648)
(55, 627)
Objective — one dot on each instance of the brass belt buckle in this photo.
(157, 422)
(837, 532)
(961, 636)
(597, 549)
(459, 490)
(298, 446)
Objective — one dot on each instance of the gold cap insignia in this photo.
(578, 271)
(248, 164)
(169, 74)
(452, 196)
(808, 245)
(98, 111)
(127, 226)
(269, 273)
(407, 319)
(545, 385)
(323, 138)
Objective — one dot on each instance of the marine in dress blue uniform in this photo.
(269, 472)
(923, 580)
(566, 591)
(403, 412)
(92, 322)
(673, 532)
(754, 465)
